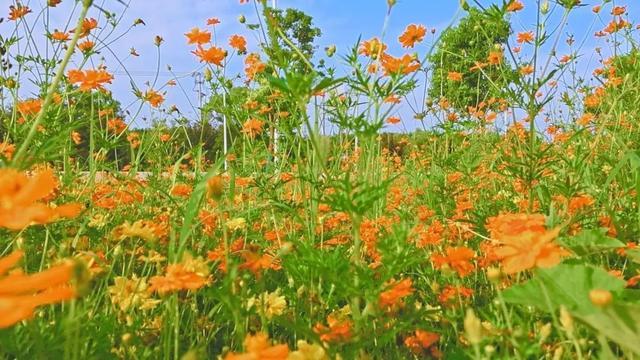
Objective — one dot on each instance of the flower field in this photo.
(470, 191)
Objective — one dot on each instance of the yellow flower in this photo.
(143, 229)
(270, 304)
(236, 224)
(308, 351)
(98, 221)
(131, 293)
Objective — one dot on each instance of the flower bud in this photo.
(544, 8)
(242, 19)
(600, 298)
(494, 274)
(330, 50)
(472, 327)
(566, 320)
(10, 83)
(215, 187)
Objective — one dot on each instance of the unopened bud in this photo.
(330, 50)
(472, 327)
(566, 320)
(600, 298)
(545, 331)
(493, 274)
(10, 83)
(242, 19)
(544, 8)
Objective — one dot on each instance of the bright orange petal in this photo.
(10, 261)
(39, 186)
(21, 284)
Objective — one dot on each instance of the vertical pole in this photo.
(224, 130)
(276, 136)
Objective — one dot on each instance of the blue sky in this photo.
(342, 22)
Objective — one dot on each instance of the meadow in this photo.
(290, 219)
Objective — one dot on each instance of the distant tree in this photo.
(464, 49)
(297, 27)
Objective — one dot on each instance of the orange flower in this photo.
(60, 36)
(525, 37)
(404, 65)
(116, 126)
(154, 98)
(526, 70)
(182, 190)
(215, 186)
(579, 202)
(618, 10)
(514, 6)
(18, 12)
(178, 277)
(421, 341)
(19, 200)
(90, 79)
(495, 57)
(396, 292)
(87, 26)
(213, 55)
(339, 329)
(76, 138)
(454, 76)
(457, 258)
(453, 294)
(252, 127)
(523, 242)
(253, 66)
(197, 36)
(393, 120)
(86, 46)
(372, 48)
(213, 21)
(21, 294)
(238, 42)
(256, 263)
(413, 34)
(257, 347)
(29, 107)
(7, 150)
(392, 99)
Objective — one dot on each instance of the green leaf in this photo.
(620, 323)
(633, 255)
(567, 285)
(591, 241)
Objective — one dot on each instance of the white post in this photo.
(274, 4)
(224, 130)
